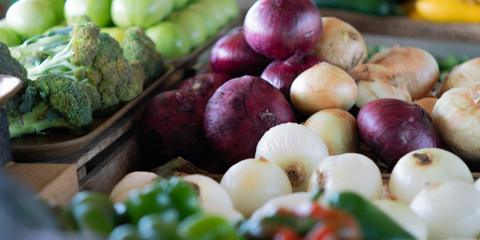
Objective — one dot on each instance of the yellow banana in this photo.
(449, 10)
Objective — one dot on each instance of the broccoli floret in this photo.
(94, 95)
(46, 44)
(11, 66)
(12, 104)
(68, 97)
(78, 20)
(140, 49)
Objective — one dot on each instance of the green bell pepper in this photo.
(125, 232)
(202, 227)
(159, 225)
(374, 223)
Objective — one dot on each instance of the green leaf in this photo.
(52, 115)
(28, 99)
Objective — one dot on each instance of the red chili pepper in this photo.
(286, 234)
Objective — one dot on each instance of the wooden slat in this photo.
(53, 182)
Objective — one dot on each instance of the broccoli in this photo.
(53, 101)
(35, 59)
(11, 66)
(139, 49)
(78, 20)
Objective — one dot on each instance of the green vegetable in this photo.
(230, 8)
(179, 4)
(170, 39)
(159, 226)
(149, 200)
(115, 32)
(202, 227)
(218, 12)
(184, 198)
(145, 13)
(56, 27)
(11, 66)
(373, 222)
(97, 10)
(193, 24)
(377, 7)
(29, 18)
(125, 232)
(212, 26)
(9, 37)
(57, 7)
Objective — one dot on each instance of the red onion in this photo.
(393, 128)
(281, 73)
(205, 85)
(277, 28)
(172, 126)
(238, 115)
(232, 55)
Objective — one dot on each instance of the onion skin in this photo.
(416, 66)
(209, 190)
(277, 28)
(232, 55)
(456, 115)
(427, 103)
(422, 167)
(205, 85)
(245, 106)
(393, 128)
(451, 209)
(376, 81)
(341, 44)
(282, 73)
(465, 74)
(323, 86)
(338, 129)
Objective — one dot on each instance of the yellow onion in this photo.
(416, 66)
(338, 129)
(376, 81)
(456, 117)
(427, 104)
(323, 86)
(465, 74)
(341, 44)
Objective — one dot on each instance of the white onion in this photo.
(323, 86)
(296, 149)
(455, 116)
(341, 44)
(228, 213)
(288, 202)
(465, 74)
(477, 184)
(451, 209)
(404, 217)
(252, 182)
(349, 171)
(209, 190)
(133, 180)
(426, 166)
(376, 81)
(338, 129)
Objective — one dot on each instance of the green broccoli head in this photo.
(138, 48)
(10, 66)
(12, 104)
(132, 84)
(68, 97)
(84, 43)
(94, 95)
(78, 20)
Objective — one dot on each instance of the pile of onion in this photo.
(232, 55)
(376, 81)
(456, 116)
(467, 73)
(281, 73)
(205, 85)
(341, 44)
(277, 28)
(323, 86)
(416, 66)
(239, 113)
(393, 128)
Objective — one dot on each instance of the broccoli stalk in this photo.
(56, 64)
(36, 121)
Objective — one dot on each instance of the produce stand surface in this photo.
(32, 148)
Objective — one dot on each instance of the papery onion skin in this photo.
(296, 149)
(323, 86)
(232, 55)
(253, 182)
(341, 44)
(393, 128)
(239, 113)
(277, 28)
(456, 115)
(427, 103)
(281, 73)
(376, 81)
(205, 85)
(348, 172)
(465, 74)
(422, 167)
(338, 129)
(451, 209)
(404, 217)
(416, 66)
